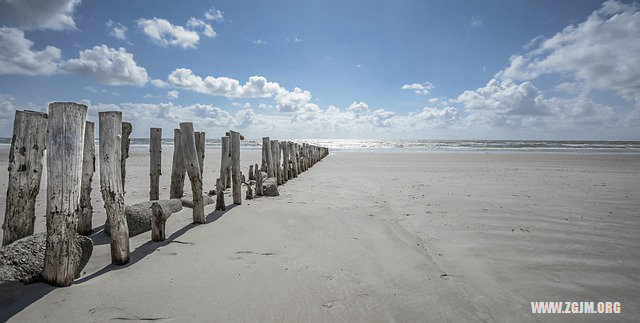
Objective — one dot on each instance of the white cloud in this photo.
(259, 42)
(206, 29)
(505, 97)
(421, 89)
(214, 14)
(34, 14)
(117, 30)
(173, 94)
(292, 101)
(108, 66)
(600, 53)
(358, 107)
(257, 86)
(17, 57)
(476, 22)
(164, 33)
(383, 118)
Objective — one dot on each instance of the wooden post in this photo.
(25, 172)
(126, 142)
(157, 222)
(225, 162)
(251, 175)
(249, 195)
(235, 168)
(220, 195)
(285, 161)
(191, 163)
(155, 162)
(200, 149)
(110, 133)
(178, 170)
(275, 152)
(259, 191)
(65, 142)
(85, 223)
(267, 157)
(294, 159)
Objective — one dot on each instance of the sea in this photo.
(430, 145)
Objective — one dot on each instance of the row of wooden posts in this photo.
(69, 140)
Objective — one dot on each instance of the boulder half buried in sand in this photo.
(139, 215)
(23, 260)
(270, 187)
(187, 201)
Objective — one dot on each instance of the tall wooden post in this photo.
(267, 157)
(235, 168)
(127, 128)
(85, 223)
(275, 150)
(178, 170)
(191, 162)
(285, 160)
(25, 172)
(294, 159)
(157, 222)
(225, 161)
(200, 146)
(65, 142)
(155, 162)
(259, 190)
(110, 133)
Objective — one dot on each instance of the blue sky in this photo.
(332, 69)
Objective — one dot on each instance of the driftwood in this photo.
(127, 128)
(235, 168)
(225, 162)
(157, 222)
(110, 124)
(155, 162)
(199, 136)
(191, 163)
(65, 142)
(85, 216)
(25, 172)
(220, 195)
(178, 170)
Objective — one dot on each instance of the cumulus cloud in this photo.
(257, 86)
(383, 118)
(173, 94)
(358, 107)
(421, 89)
(164, 33)
(108, 66)
(37, 14)
(204, 27)
(214, 14)
(17, 57)
(117, 30)
(476, 22)
(292, 101)
(505, 97)
(600, 53)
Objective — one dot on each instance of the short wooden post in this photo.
(157, 222)
(65, 142)
(25, 172)
(249, 194)
(127, 128)
(274, 153)
(235, 168)
(191, 163)
(178, 170)
(220, 195)
(110, 134)
(155, 162)
(225, 161)
(200, 146)
(259, 191)
(85, 223)
(251, 175)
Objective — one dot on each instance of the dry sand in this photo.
(371, 237)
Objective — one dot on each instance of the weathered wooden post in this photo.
(275, 152)
(200, 145)
(110, 133)
(127, 128)
(85, 223)
(251, 175)
(292, 156)
(65, 142)
(25, 172)
(259, 191)
(249, 195)
(235, 168)
(155, 162)
(285, 162)
(191, 163)
(225, 161)
(157, 222)
(267, 157)
(178, 170)
(220, 195)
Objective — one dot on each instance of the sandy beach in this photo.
(363, 236)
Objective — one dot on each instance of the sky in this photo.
(332, 69)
